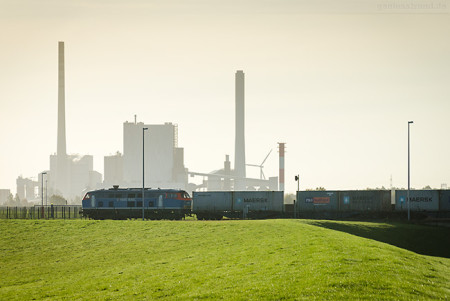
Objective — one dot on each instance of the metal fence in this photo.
(41, 212)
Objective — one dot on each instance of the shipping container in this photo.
(365, 200)
(420, 200)
(308, 201)
(444, 200)
(211, 201)
(237, 204)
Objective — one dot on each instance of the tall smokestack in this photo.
(281, 175)
(239, 151)
(62, 176)
(61, 148)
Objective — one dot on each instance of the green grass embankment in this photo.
(268, 259)
(422, 239)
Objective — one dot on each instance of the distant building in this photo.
(164, 161)
(79, 174)
(113, 170)
(27, 188)
(4, 194)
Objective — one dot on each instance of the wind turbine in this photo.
(261, 166)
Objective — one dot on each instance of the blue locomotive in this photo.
(124, 203)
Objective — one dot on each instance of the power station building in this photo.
(4, 195)
(113, 170)
(26, 188)
(163, 159)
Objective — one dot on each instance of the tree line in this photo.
(15, 201)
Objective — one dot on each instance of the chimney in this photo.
(61, 176)
(239, 151)
(61, 147)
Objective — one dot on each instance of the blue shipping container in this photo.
(420, 200)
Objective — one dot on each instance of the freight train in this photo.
(126, 203)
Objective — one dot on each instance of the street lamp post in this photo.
(407, 194)
(42, 193)
(143, 170)
(297, 178)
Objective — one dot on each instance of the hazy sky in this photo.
(336, 81)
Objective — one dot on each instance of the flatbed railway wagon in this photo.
(126, 203)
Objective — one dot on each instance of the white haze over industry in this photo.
(336, 81)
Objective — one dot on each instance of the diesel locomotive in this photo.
(125, 203)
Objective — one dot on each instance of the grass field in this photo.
(267, 259)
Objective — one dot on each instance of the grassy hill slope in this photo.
(268, 259)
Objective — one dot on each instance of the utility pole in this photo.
(42, 193)
(143, 170)
(407, 195)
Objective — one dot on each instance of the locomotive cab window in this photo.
(100, 204)
(111, 204)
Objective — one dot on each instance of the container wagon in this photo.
(238, 204)
(371, 203)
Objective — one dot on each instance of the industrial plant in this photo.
(71, 176)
